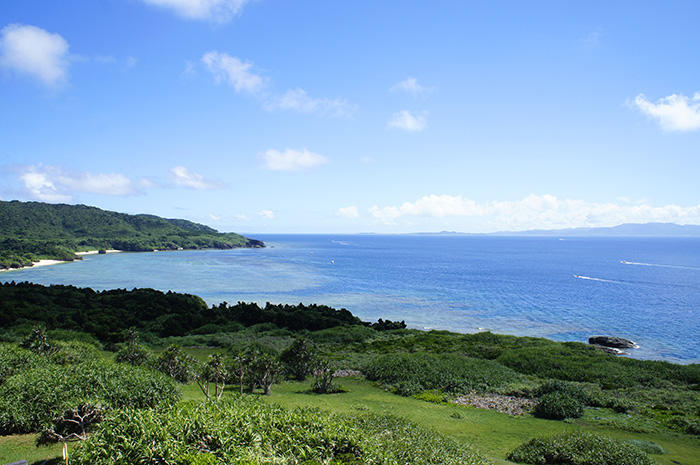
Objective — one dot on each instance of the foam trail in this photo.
(598, 279)
(625, 262)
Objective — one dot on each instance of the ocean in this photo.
(567, 289)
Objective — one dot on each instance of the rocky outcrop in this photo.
(612, 341)
(611, 350)
(254, 243)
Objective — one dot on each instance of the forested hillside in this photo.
(33, 230)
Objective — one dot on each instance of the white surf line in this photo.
(578, 276)
(625, 262)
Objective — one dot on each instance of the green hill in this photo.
(31, 231)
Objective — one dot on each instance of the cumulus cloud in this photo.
(674, 113)
(410, 85)
(233, 71)
(33, 51)
(291, 160)
(349, 212)
(52, 184)
(299, 100)
(213, 10)
(268, 214)
(535, 211)
(183, 177)
(408, 121)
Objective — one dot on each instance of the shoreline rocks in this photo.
(612, 341)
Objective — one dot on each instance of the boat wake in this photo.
(683, 267)
(578, 276)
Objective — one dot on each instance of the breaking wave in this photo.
(684, 267)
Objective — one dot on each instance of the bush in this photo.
(133, 354)
(579, 449)
(559, 405)
(14, 359)
(410, 374)
(30, 400)
(298, 359)
(647, 446)
(176, 364)
(246, 430)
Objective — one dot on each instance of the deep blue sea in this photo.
(564, 289)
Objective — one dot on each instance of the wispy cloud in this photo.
(407, 121)
(233, 71)
(535, 211)
(241, 75)
(181, 176)
(673, 113)
(350, 212)
(291, 160)
(219, 11)
(267, 214)
(53, 184)
(33, 51)
(410, 85)
(299, 100)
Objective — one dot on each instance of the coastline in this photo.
(48, 262)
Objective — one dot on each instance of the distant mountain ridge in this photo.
(30, 231)
(623, 230)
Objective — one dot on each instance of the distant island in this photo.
(34, 231)
(623, 230)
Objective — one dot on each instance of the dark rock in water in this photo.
(101, 251)
(610, 350)
(612, 341)
(254, 243)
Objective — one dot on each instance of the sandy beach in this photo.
(95, 252)
(56, 262)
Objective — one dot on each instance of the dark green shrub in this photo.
(299, 358)
(245, 430)
(579, 449)
(30, 400)
(559, 405)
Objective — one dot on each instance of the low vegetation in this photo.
(579, 449)
(244, 430)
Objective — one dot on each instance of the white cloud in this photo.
(241, 217)
(674, 113)
(34, 51)
(52, 184)
(214, 217)
(291, 160)
(299, 100)
(235, 72)
(535, 212)
(408, 121)
(269, 214)
(348, 212)
(410, 85)
(186, 178)
(214, 10)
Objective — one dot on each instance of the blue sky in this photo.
(392, 116)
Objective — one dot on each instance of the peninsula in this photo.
(36, 231)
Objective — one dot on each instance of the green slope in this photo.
(30, 231)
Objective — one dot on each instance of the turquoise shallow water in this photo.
(562, 289)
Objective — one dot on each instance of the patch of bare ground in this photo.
(505, 404)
